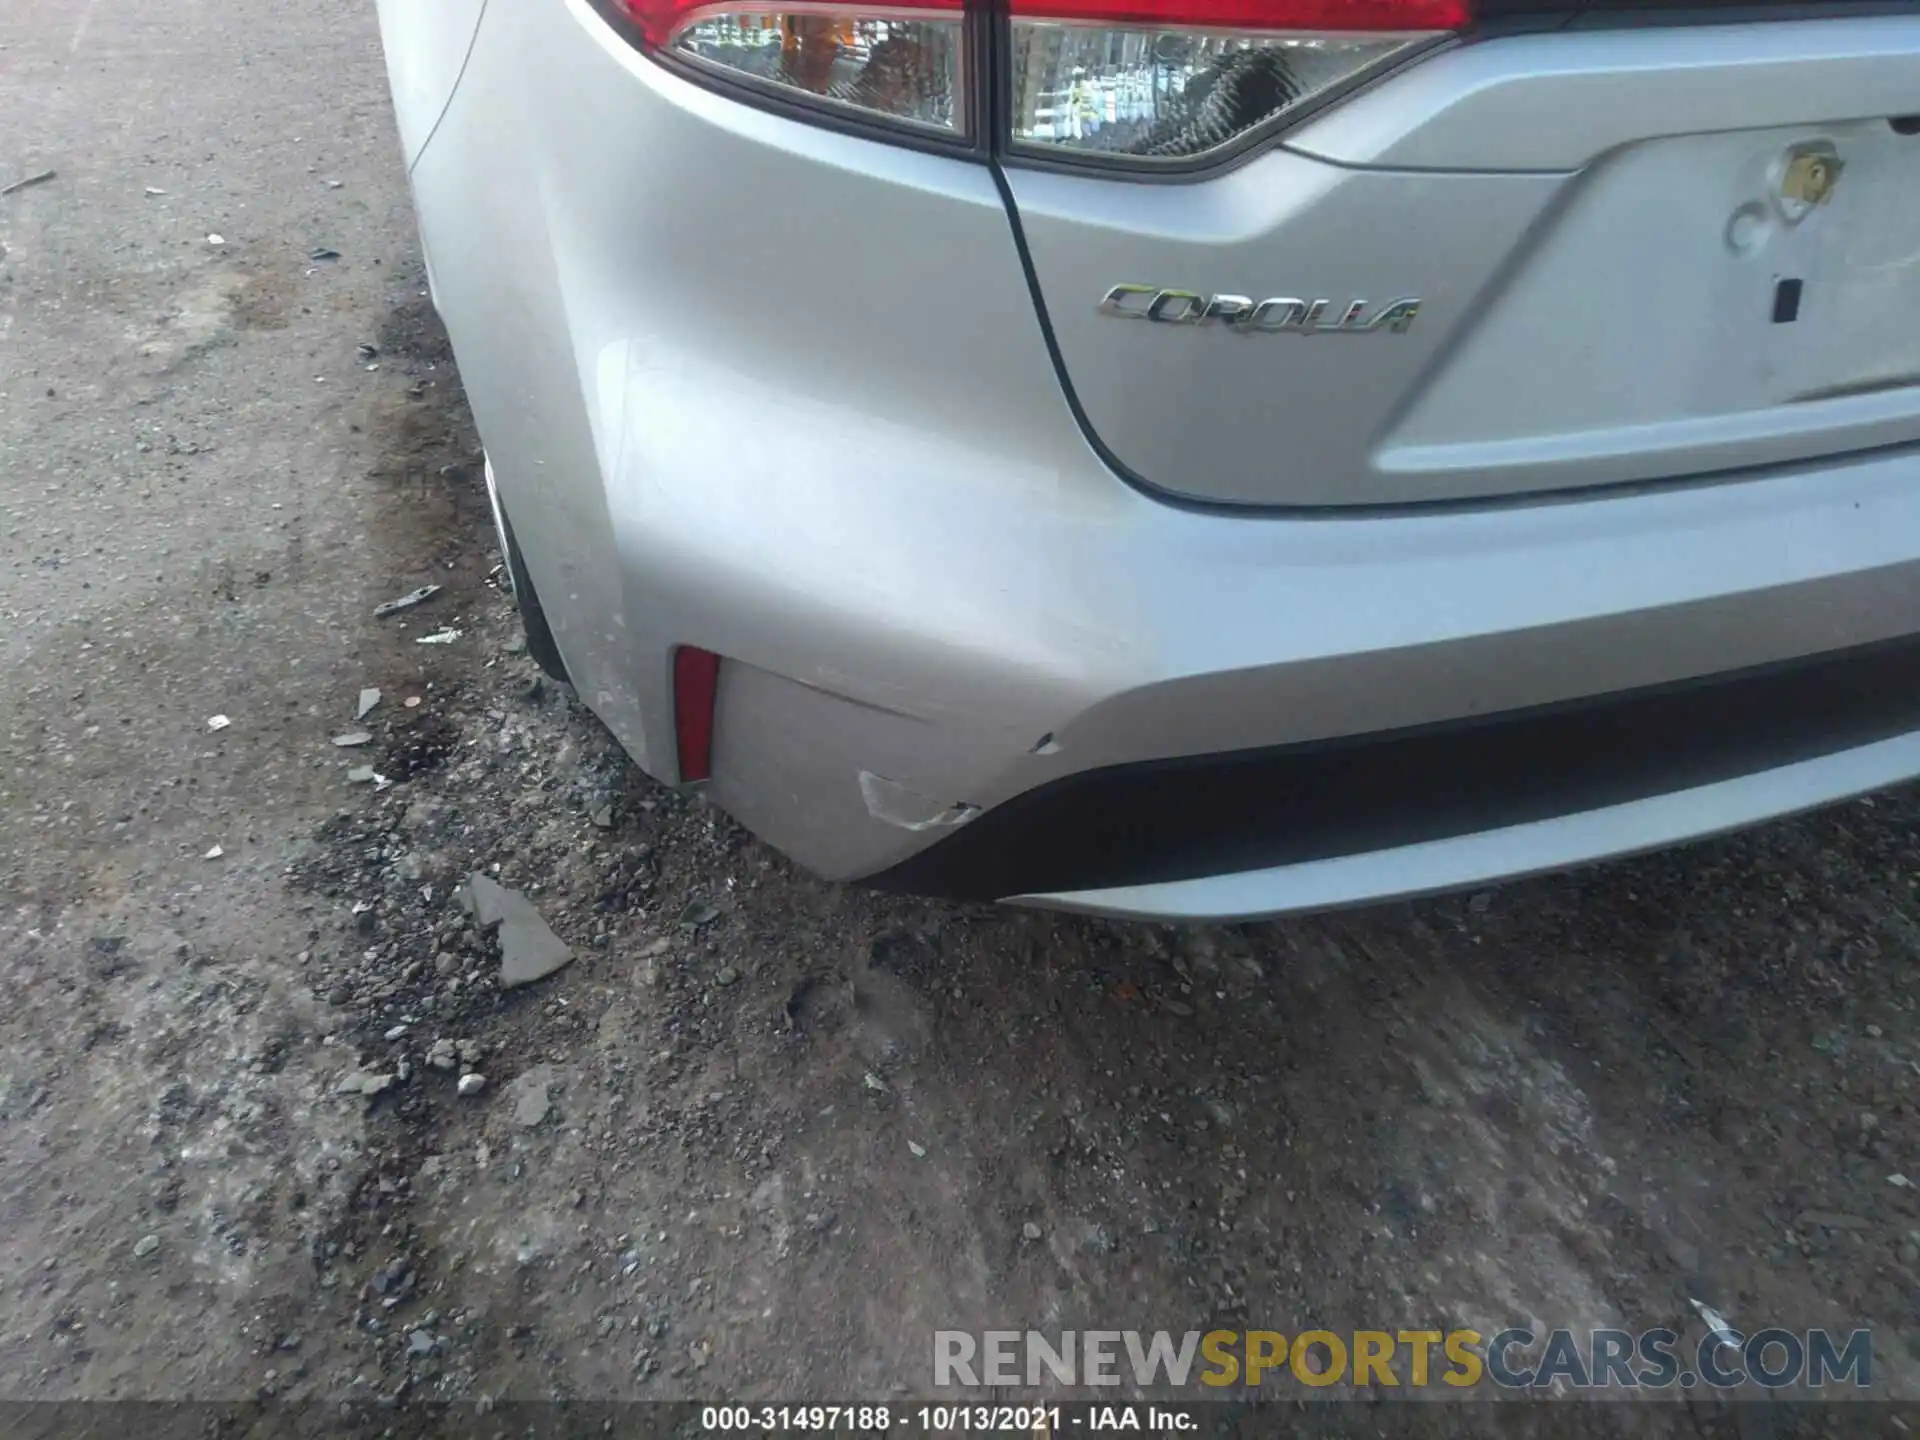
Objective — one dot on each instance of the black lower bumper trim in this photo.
(1200, 815)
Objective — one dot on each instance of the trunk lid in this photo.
(1526, 264)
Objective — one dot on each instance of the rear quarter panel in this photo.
(426, 43)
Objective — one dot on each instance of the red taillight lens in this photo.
(696, 691)
(1140, 82)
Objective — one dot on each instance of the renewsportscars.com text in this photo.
(1512, 1359)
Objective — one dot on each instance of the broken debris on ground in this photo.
(529, 950)
(405, 602)
(39, 179)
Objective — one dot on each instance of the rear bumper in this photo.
(1561, 843)
(1331, 823)
(1151, 711)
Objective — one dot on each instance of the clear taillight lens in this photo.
(1172, 80)
(1170, 94)
(901, 65)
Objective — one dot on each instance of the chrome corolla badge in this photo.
(1279, 315)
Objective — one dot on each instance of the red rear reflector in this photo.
(696, 684)
(1264, 15)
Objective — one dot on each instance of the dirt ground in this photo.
(765, 1135)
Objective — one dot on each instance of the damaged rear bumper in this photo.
(1152, 711)
(1438, 807)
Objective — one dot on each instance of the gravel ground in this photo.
(763, 1135)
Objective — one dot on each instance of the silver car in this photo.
(1198, 458)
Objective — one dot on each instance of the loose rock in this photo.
(698, 913)
(531, 1103)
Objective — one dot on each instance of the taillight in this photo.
(1118, 82)
(1161, 80)
(896, 63)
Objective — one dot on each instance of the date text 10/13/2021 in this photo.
(1039, 1421)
